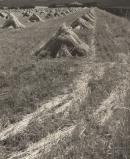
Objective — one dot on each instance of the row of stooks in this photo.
(65, 42)
(33, 17)
(12, 21)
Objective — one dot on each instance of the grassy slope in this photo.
(99, 141)
(112, 37)
(24, 81)
(95, 141)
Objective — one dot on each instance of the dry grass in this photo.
(95, 141)
(89, 139)
(27, 84)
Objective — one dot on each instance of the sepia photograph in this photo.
(64, 79)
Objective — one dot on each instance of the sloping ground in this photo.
(68, 128)
(91, 120)
(29, 81)
(96, 138)
(14, 128)
(112, 38)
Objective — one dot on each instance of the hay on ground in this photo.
(12, 21)
(64, 43)
(35, 18)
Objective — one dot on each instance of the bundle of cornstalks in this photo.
(12, 21)
(64, 43)
(26, 14)
(35, 18)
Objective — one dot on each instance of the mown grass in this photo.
(27, 86)
(93, 136)
(121, 140)
(96, 141)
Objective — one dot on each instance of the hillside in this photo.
(109, 3)
(65, 107)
